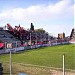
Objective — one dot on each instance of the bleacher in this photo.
(8, 38)
(72, 36)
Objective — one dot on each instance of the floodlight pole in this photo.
(10, 63)
(56, 41)
(16, 47)
(30, 39)
(5, 45)
(36, 40)
(63, 64)
(41, 37)
(48, 39)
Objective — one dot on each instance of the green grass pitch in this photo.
(46, 56)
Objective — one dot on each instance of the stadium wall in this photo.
(16, 49)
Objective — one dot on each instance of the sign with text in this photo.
(9, 45)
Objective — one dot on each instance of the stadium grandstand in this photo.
(19, 37)
(5, 36)
(72, 36)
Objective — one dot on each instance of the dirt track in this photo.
(54, 72)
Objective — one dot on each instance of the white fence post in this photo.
(10, 63)
(63, 64)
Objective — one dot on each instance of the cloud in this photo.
(39, 12)
(49, 15)
(74, 15)
(56, 29)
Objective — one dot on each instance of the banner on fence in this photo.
(9, 45)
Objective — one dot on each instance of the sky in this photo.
(54, 16)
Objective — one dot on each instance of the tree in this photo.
(40, 30)
(32, 26)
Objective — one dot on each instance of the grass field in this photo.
(46, 56)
